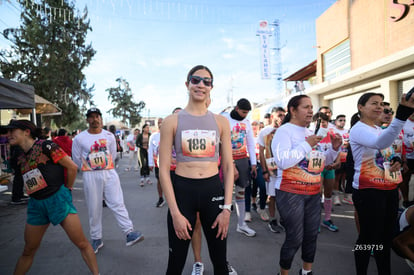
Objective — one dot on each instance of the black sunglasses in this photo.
(388, 111)
(208, 82)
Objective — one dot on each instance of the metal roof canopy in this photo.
(304, 73)
(14, 95)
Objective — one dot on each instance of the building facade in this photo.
(363, 46)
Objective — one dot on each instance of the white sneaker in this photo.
(336, 200)
(149, 181)
(263, 214)
(410, 264)
(141, 183)
(198, 268)
(244, 229)
(231, 269)
(247, 217)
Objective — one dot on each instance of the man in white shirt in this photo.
(94, 151)
(243, 147)
(268, 164)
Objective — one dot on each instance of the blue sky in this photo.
(154, 43)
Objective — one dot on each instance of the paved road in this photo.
(258, 255)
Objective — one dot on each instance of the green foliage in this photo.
(50, 53)
(125, 107)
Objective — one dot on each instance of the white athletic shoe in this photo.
(336, 200)
(198, 268)
(410, 264)
(244, 229)
(231, 269)
(248, 217)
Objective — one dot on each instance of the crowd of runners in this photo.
(283, 167)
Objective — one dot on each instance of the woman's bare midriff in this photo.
(197, 169)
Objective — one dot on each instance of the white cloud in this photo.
(229, 42)
(228, 55)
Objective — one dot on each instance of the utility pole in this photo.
(277, 58)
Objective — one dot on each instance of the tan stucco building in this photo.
(362, 46)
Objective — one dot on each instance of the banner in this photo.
(264, 32)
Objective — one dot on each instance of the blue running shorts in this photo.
(53, 209)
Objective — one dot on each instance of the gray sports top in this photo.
(197, 137)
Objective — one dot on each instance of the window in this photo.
(337, 61)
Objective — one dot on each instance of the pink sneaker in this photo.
(348, 201)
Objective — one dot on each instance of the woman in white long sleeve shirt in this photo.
(298, 182)
(376, 179)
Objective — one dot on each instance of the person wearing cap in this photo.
(41, 164)
(244, 156)
(94, 151)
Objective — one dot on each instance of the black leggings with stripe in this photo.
(301, 216)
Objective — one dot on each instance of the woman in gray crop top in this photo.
(197, 135)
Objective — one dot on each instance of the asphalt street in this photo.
(257, 255)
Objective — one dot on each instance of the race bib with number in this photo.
(34, 181)
(393, 177)
(271, 164)
(198, 143)
(97, 161)
(316, 162)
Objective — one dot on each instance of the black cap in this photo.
(22, 124)
(93, 110)
(244, 104)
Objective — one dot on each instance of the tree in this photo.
(125, 108)
(49, 51)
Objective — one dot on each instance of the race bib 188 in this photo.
(198, 143)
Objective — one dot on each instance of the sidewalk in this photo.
(249, 256)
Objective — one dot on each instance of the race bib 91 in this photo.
(394, 177)
(34, 181)
(198, 143)
(271, 164)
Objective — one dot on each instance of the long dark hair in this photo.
(293, 103)
(354, 119)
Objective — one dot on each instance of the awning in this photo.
(46, 108)
(303, 74)
(14, 95)
(43, 107)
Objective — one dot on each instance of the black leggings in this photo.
(377, 213)
(143, 153)
(192, 196)
(301, 216)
